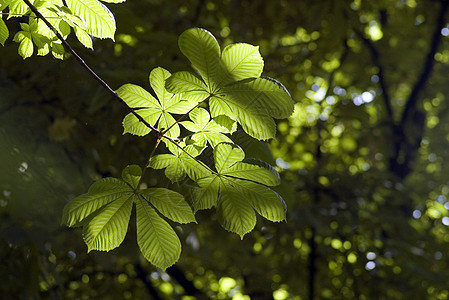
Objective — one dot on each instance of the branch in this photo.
(189, 288)
(428, 64)
(69, 49)
(197, 14)
(382, 82)
(184, 115)
(142, 274)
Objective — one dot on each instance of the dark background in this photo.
(362, 158)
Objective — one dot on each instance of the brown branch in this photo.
(429, 63)
(381, 74)
(407, 145)
(69, 49)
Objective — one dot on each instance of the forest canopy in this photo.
(291, 149)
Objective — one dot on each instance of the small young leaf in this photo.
(131, 174)
(26, 44)
(205, 130)
(151, 109)
(179, 164)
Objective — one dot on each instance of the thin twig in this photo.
(149, 159)
(428, 64)
(163, 132)
(192, 157)
(380, 73)
(69, 49)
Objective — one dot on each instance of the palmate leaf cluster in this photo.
(87, 19)
(104, 212)
(192, 113)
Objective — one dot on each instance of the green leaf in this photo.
(157, 241)
(263, 95)
(17, 8)
(170, 204)
(253, 173)
(235, 212)
(226, 155)
(206, 196)
(238, 190)
(99, 20)
(226, 122)
(107, 230)
(57, 49)
(133, 125)
(233, 82)
(242, 61)
(151, 109)
(191, 86)
(83, 37)
(104, 212)
(205, 130)
(100, 193)
(203, 51)
(4, 32)
(131, 175)
(264, 200)
(178, 164)
(136, 97)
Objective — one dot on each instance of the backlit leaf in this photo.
(107, 229)
(156, 239)
(4, 32)
(170, 204)
(99, 20)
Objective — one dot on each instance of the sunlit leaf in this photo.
(232, 81)
(156, 239)
(99, 20)
(4, 32)
(107, 229)
(238, 190)
(170, 204)
(104, 213)
(151, 109)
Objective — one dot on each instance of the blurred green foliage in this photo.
(365, 184)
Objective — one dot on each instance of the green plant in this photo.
(225, 90)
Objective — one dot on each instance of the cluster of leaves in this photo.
(87, 18)
(225, 90)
